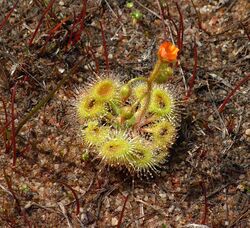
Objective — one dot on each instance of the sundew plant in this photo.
(131, 125)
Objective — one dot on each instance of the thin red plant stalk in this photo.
(199, 18)
(204, 190)
(5, 128)
(22, 212)
(198, 15)
(5, 140)
(162, 18)
(54, 30)
(25, 149)
(59, 25)
(72, 30)
(41, 5)
(41, 20)
(13, 133)
(6, 219)
(8, 16)
(75, 196)
(180, 33)
(171, 19)
(192, 80)
(105, 48)
(91, 50)
(80, 19)
(122, 212)
(5, 110)
(83, 14)
(241, 82)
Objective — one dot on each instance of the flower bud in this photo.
(126, 112)
(125, 92)
(164, 73)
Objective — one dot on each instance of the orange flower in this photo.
(168, 52)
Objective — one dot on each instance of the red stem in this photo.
(8, 15)
(41, 5)
(241, 82)
(162, 18)
(83, 14)
(80, 19)
(41, 20)
(25, 149)
(198, 15)
(54, 30)
(75, 196)
(92, 52)
(90, 49)
(72, 30)
(5, 128)
(105, 48)
(171, 19)
(192, 80)
(13, 133)
(180, 29)
(204, 218)
(122, 212)
(21, 211)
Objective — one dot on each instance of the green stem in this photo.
(155, 71)
(135, 80)
(145, 107)
(40, 104)
(115, 108)
(150, 81)
(137, 102)
(110, 117)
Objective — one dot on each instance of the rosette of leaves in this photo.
(131, 125)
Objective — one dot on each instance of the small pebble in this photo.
(56, 166)
(171, 209)
(241, 187)
(163, 195)
(119, 208)
(163, 173)
(114, 221)
(247, 132)
(171, 196)
(110, 56)
(61, 3)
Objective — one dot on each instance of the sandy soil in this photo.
(204, 182)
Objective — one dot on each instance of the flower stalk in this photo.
(167, 53)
